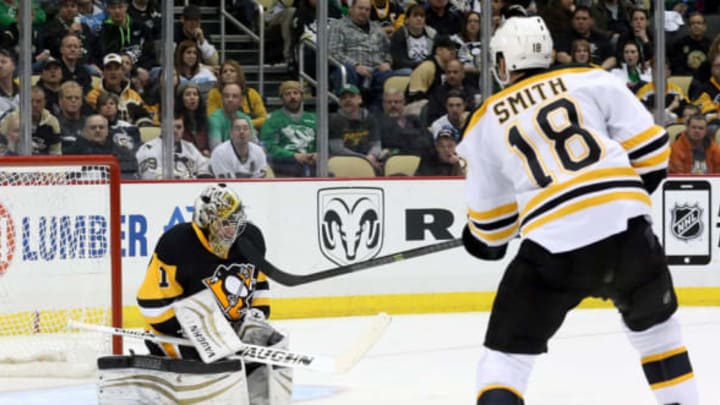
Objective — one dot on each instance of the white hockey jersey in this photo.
(189, 162)
(558, 158)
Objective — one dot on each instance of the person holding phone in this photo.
(695, 151)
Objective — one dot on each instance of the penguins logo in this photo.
(350, 223)
(233, 287)
(685, 223)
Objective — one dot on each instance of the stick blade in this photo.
(363, 344)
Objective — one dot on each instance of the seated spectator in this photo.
(470, 51)
(252, 103)
(45, 126)
(602, 52)
(688, 52)
(687, 111)
(364, 48)
(675, 98)
(709, 99)
(389, 14)
(289, 135)
(73, 68)
(121, 34)
(352, 131)
(704, 71)
(9, 135)
(220, 122)
(95, 141)
(413, 42)
(639, 33)
(122, 133)
(9, 90)
(431, 73)
(695, 151)
(238, 157)
(72, 114)
(443, 160)
(400, 133)
(455, 80)
(10, 10)
(456, 116)
(187, 64)
(633, 70)
(148, 13)
(189, 28)
(132, 107)
(65, 22)
(581, 52)
(50, 80)
(191, 108)
(444, 17)
(91, 15)
(188, 162)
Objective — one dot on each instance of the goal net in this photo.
(59, 261)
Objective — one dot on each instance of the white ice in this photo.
(430, 360)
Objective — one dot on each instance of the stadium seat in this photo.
(34, 79)
(401, 165)
(681, 81)
(673, 130)
(397, 82)
(269, 172)
(350, 166)
(148, 133)
(717, 136)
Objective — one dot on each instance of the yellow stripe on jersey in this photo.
(642, 137)
(203, 240)
(494, 236)
(160, 281)
(583, 204)
(493, 213)
(658, 160)
(525, 82)
(587, 177)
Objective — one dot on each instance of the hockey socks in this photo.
(666, 363)
(502, 377)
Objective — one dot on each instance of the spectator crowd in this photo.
(405, 74)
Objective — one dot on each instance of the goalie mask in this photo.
(523, 43)
(219, 210)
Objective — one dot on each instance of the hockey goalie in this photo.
(200, 286)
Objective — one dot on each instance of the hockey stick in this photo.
(268, 355)
(289, 279)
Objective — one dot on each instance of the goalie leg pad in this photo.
(267, 385)
(125, 380)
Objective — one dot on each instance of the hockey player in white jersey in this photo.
(566, 158)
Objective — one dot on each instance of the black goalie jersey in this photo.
(182, 265)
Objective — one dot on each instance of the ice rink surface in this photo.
(430, 360)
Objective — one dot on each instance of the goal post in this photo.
(60, 260)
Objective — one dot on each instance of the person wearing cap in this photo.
(429, 74)
(364, 48)
(443, 160)
(132, 107)
(352, 131)
(289, 135)
(51, 77)
(121, 34)
(189, 28)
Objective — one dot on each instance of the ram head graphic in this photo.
(350, 223)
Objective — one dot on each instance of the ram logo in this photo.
(350, 223)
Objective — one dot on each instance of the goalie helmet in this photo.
(219, 210)
(523, 43)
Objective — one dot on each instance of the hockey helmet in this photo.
(523, 43)
(219, 210)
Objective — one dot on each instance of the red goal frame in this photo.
(114, 214)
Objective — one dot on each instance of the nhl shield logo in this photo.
(685, 221)
(350, 223)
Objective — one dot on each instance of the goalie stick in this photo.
(290, 280)
(268, 355)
